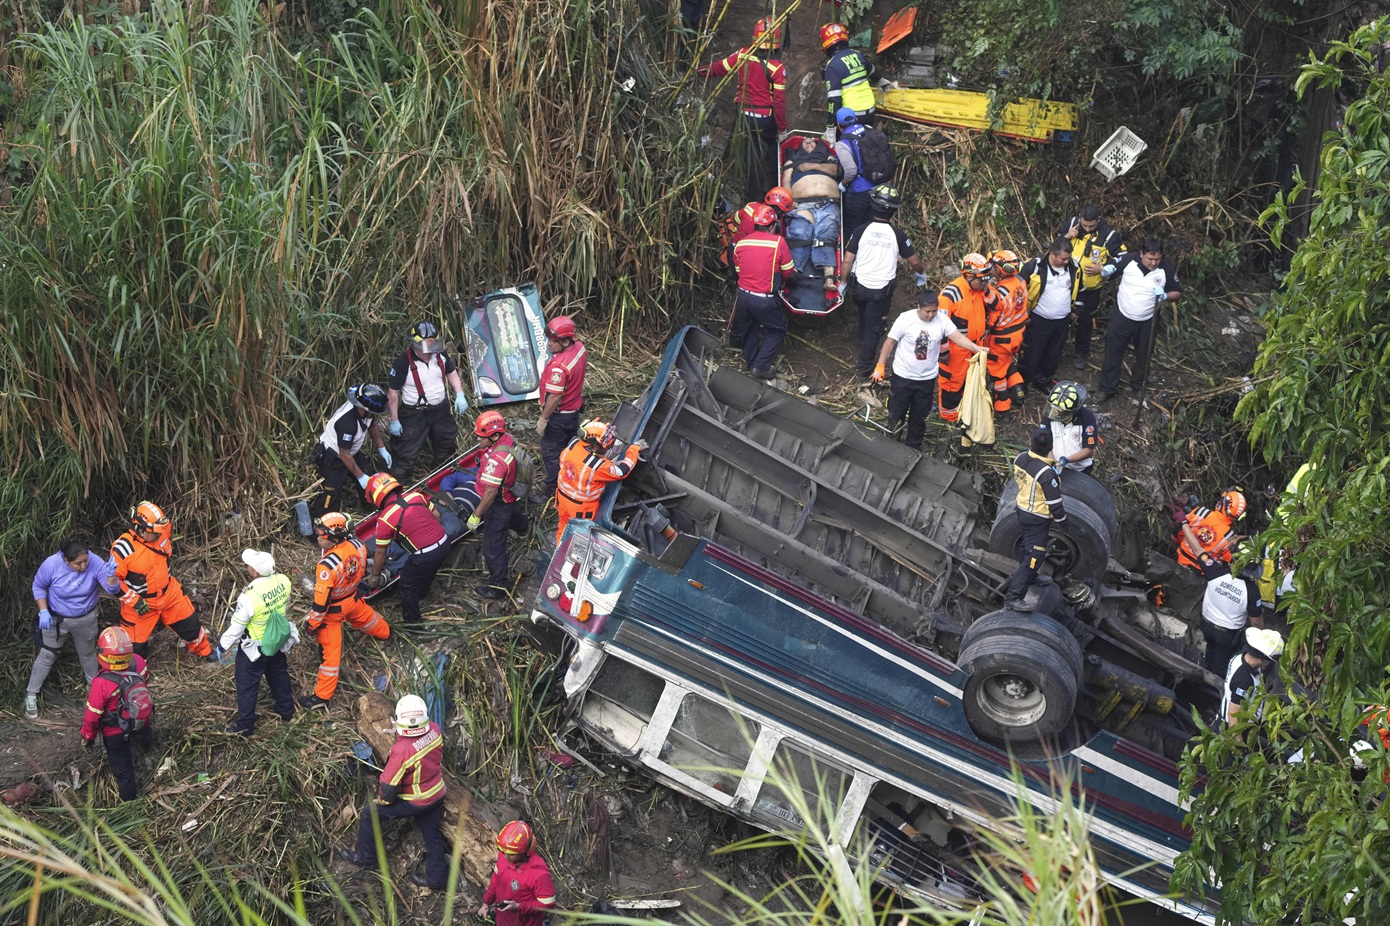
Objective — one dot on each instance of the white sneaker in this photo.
(31, 706)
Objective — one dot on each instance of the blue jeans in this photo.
(813, 232)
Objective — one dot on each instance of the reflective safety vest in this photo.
(339, 573)
(1010, 313)
(848, 67)
(269, 595)
(142, 568)
(584, 473)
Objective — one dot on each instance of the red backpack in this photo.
(134, 707)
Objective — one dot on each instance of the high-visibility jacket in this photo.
(584, 473)
(966, 307)
(1214, 533)
(1010, 312)
(847, 81)
(339, 573)
(143, 568)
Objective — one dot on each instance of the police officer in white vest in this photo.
(418, 401)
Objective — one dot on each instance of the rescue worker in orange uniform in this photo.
(585, 469)
(336, 580)
(150, 596)
(1006, 324)
(967, 301)
(1207, 537)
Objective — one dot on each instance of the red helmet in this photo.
(379, 486)
(764, 216)
(147, 516)
(516, 838)
(764, 27)
(974, 266)
(832, 34)
(114, 649)
(780, 198)
(1232, 502)
(1006, 261)
(491, 422)
(560, 327)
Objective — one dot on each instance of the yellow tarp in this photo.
(1033, 120)
(976, 406)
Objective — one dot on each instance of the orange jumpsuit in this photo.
(1214, 532)
(335, 601)
(1005, 337)
(583, 473)
(967, 308)
(143, 571)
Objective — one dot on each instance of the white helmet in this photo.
(1268, 643)
(412, 717)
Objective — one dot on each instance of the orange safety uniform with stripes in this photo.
(968, 309)
(584, 471)
(1005, 326)
(335, 600)
(1214, 533)
(143, 571)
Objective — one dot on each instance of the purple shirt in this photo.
(71, 593)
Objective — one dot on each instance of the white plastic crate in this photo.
(1119, 153)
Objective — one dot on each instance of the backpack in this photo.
(876, 161)
(525, 469)
(134, 707)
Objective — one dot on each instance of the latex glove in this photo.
(474, 522)
(362, 480)
(460, 403)
(45, 619)
(142, 607)
(841, 288)
(641, 445)
(841, 186)
(921, 279)
(1160, 292)
(1061, 463)
(394, 429)
(1107, 271)
(877, 375)
(540, 426)
(385, 456)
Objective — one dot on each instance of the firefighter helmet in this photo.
(1065, 399)
(600, 433)
(832, 34)
(1232, 502)
(516, 838)
(412, 717)
(764, 216)
(147, 516)
(885, 198)
(780, 198)
(424, 337)
(379, 486)
(1006, 262)
(489, 422)
(1268, 643)
(334, 525)
(560, 328)
(973, 266)
(368, 397)
(114, 649)
(766, 35)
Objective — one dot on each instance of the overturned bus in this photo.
(776, 596)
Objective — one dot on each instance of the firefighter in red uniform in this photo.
(115, 657)
(521, 891)
(762, 261)
(149, 594)
(1207, 539)
(411, 785)
(497, 511)
(762, 100)
(585, 470)
(967, 301)
(409, 519)
(1006, 324)
(336, 580)
(562, 395)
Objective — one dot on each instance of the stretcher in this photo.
(811, 291)
(1031, 120)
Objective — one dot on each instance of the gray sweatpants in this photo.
(82, 630)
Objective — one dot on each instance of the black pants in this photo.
(1032, 552)
(1085, 307)
(1043, 342)
(1222, 644)
(417, 575)
(855, 209)
(1124, 332)
(339, 485)
(434, 423)
(912, 399)
(122, 763)
(276, 672)
(500, 518)
(759, 148)
(426, 818)
(559, 431)
(873, 305)
(765, 328)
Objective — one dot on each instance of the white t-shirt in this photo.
(1226, 602)
(919, 343)
(1055, 300)
(877, 246)
(1134, 297)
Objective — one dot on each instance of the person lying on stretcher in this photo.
(811, 172)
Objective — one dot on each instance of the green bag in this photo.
(277, 625)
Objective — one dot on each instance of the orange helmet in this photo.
(379, 486)
(764, 216)
(489, 423)
(147, 516)
(516, 838)
(600, 433)
(780, 198)
(1232, 502)
(832, 34)
(974, 266)
(765, 35)
(1006, 262)
(560, 327)
(335, 525)
(114, 649)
